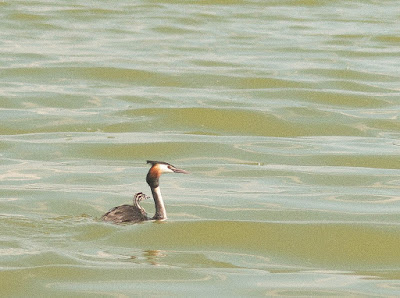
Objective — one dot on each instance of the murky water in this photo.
(286, 113)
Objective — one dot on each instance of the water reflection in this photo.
(208, 259)
(152, 257)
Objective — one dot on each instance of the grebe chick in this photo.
(128, 213)
(135, 213)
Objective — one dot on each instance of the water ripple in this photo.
(285, 112)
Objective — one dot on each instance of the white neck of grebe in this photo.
(159, 204)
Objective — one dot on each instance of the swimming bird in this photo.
(136, 213)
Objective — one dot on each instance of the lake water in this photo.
(286, 113)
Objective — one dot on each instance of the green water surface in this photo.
(286, 113)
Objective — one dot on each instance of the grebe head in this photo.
(158, 168)
(137, 199)
(139, 196)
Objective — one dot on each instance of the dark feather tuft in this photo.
(153, 162)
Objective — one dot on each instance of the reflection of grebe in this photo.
(135, 213)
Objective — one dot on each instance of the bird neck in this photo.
(153, 177)
(159, 204)
(136, 204)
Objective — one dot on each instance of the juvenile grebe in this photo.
(135, 213)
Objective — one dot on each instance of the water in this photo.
(286, 113)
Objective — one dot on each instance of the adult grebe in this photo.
(135, 213)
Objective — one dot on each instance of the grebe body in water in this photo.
(128, 213)
(135, 213)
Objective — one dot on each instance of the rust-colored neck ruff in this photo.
(153, 176)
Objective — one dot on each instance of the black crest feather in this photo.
(153, 162)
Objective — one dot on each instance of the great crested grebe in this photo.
(135, 213)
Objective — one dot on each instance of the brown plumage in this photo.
(128, 213)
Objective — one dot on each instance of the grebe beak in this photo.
(179, 171)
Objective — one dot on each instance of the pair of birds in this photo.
(135, 213)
